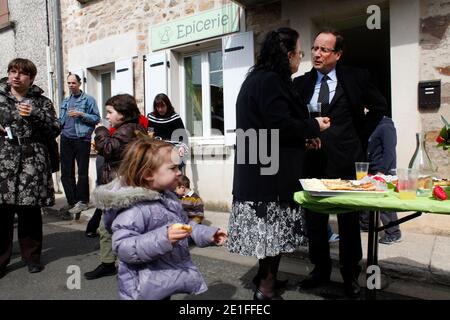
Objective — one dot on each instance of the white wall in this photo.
(103, 51)
(405, 65)
(213, 179)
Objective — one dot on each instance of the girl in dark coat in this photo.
(124, 118)
(265, 221)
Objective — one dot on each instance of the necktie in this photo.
(324, 93)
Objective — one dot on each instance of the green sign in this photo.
(208, 24)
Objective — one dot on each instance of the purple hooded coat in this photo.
(150, 268)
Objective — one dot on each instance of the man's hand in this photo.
(76, 114)
(324, 123)
(220, 237)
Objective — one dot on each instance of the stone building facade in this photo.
(433, 40)
(419, 37)
(99, 36)
(27, 36)
(93, 21)
(435, 64)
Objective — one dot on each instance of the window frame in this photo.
(206, 138)
(4, 14)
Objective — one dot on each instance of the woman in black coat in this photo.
(265, 221)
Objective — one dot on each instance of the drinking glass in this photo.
(151, 132)
(315, 109)
(407, 183)
(25, 106)
(362, 169)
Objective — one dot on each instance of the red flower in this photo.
(439, 139)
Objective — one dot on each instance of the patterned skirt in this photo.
(265, 229)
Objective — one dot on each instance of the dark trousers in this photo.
(29, 225)
(75, 150)
(385, 217)
(350, 249)
(94, 222)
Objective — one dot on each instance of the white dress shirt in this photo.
(332, 84)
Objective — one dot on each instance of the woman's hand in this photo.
(324, 123)
(313, 144)
(220, 237)
(174, 235)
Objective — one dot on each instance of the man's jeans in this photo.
(75, 150)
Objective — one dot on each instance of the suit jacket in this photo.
(267, 103)
(346, 140)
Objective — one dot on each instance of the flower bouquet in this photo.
(443, 138)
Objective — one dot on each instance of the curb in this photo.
(392, 269)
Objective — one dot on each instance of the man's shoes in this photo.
(91, 234)
(66, 215)
(258, 295)
(2, 272)
(103, 270)
(314, 280)
(78, 208)
(279, 284)
(390, 240)
(352, 289)
(34, 267)
(333, 238)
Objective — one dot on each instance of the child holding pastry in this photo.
(150, 228)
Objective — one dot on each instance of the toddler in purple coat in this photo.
(154, 259)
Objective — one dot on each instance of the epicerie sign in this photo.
(204, 25)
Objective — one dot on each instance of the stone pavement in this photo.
(423, 258)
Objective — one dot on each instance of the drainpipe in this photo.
(56, 15)
(58, 50)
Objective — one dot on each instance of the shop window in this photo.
(105, 90)
(203, 98)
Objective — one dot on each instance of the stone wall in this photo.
(27, 38)
(263, 18)
(435, 65)
(96, 20)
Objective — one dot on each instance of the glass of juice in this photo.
(407, 183)
(362, 169)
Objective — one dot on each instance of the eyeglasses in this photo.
(323, 49)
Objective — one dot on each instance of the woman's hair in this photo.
(162, 98)
(24, 65)
(142, 157)
(124, 104)
(273, 55)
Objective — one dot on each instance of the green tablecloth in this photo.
(389, 202)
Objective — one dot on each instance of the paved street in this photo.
(228, 276)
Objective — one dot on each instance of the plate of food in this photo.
(334, 187)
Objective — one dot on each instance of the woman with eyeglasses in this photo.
(265, 221)
(28, 123)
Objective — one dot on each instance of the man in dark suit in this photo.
(344, 93)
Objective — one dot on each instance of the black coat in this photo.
(346, 140)
(266, 102)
